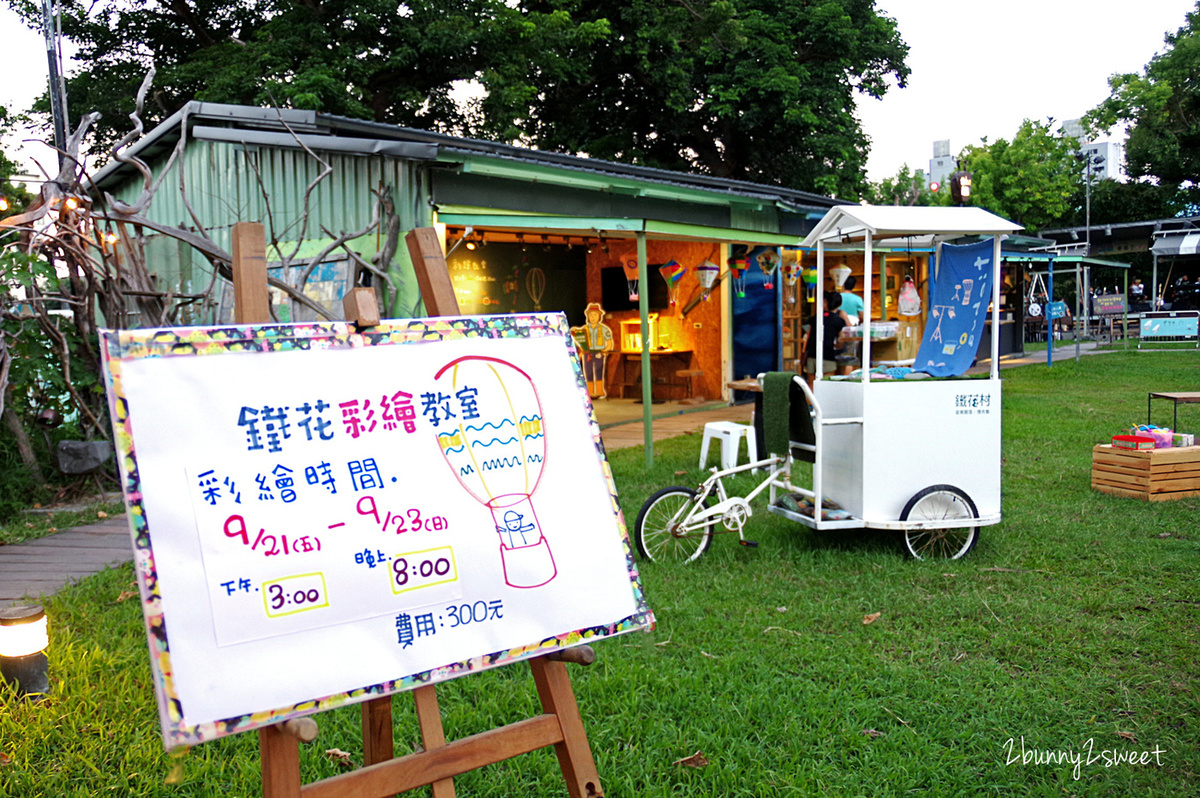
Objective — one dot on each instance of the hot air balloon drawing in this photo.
(535, 283)
(496, 448)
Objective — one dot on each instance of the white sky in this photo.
(979, 68)
(26, 76)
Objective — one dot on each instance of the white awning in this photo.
(1177, 244)
(845, 223)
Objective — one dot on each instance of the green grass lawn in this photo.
(34, 525)
(1072, 629)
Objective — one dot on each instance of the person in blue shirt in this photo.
(852, 304)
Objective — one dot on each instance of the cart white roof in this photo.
(845, 223)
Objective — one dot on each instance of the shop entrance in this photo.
(756, 324)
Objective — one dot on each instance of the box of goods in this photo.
(1152, 474)
(1132, 442)
(1163, 438)
(885, 329)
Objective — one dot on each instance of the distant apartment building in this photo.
(942, 163)
(1111, 153)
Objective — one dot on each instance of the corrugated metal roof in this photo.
(366, 135)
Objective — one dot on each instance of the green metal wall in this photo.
(228, 183)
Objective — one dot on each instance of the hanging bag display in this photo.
(910, 300)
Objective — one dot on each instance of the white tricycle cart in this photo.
(918, 456)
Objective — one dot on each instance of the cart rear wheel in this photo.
(657, 532)
(939, 503)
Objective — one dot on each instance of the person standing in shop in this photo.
(852, 304)
(834, 321)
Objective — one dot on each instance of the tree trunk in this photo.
(24, 447)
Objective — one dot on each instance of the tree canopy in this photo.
(1029, 180)
(906, 187)
(751, 89)
(1162, 109)
(368, 59)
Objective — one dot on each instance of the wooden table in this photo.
(746, 385)
(1187, 398)
(625, 380)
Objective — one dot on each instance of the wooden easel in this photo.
(559, 725)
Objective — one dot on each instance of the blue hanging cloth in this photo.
(958, 305)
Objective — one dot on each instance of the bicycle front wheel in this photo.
(659, 532)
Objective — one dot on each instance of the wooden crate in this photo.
(1154, 474)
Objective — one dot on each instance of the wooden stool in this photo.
(690, 375)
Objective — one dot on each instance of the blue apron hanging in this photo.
(958, 304)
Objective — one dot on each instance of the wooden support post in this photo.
(433, 277)
(280, 755)
(279, 745)
(378, 745)
(433, 736)
(251, 300)
(360, 307)
(574, 753)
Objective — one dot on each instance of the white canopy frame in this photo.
(865, 428)
(867, 226)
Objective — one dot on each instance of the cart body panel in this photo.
(913, 435)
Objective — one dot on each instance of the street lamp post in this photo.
(960, 186)
(1091, 162)
(58, 100)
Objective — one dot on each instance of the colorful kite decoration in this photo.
(737, 270)
(810, 283)
(768, 262)
(672, 272)
(791, 270)
(706, 273)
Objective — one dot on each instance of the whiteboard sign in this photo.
(322, 516)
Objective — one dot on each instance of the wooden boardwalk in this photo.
(672, 421)
(44, 566)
